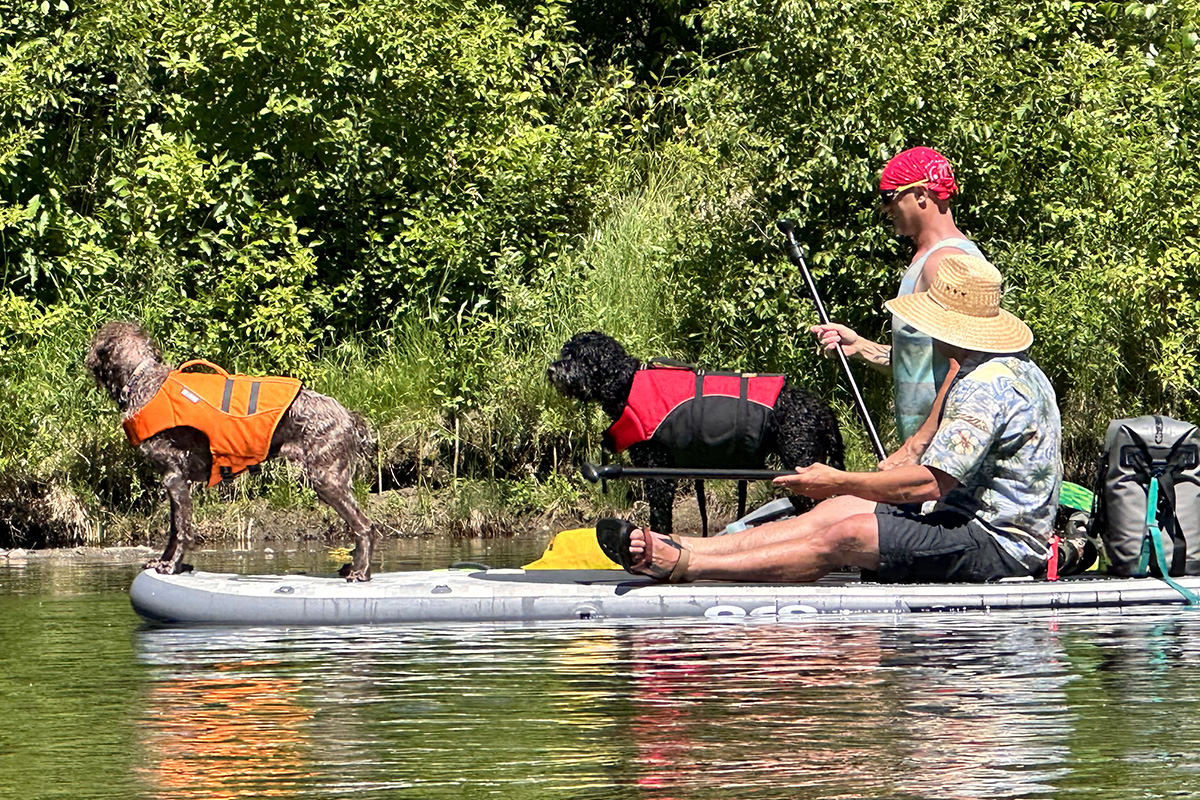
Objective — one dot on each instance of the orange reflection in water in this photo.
(227, 736)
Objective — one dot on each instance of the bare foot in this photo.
(654, 554)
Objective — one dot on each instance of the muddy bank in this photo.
(257, 523)
(88, 555)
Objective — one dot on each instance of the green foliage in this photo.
(304, 170)
(1073, 127)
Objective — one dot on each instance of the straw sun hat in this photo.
(962, 309)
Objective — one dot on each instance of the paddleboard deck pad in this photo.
(502, 595)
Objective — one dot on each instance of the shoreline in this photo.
(257, 525)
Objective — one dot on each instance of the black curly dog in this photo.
(801, 429)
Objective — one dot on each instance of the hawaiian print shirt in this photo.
(1000, 436)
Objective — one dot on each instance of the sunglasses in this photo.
(886, 196)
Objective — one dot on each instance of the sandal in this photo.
(613, 537)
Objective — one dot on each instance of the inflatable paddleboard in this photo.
(518, 595)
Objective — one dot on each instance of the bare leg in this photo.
(851, 540)
(826, 513)
(180, 536)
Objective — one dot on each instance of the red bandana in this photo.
(917, 165)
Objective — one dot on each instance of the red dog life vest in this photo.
(238, 414)
(706, 419)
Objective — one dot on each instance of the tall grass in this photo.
(454, 397)
(411, 205)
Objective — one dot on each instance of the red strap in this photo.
(1052, 562)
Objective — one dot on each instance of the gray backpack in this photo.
(1150, 462)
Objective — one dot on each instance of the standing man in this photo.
(915, 190)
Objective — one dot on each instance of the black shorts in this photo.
(938, 548)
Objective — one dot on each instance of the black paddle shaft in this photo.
(796, 256)
(616, 471)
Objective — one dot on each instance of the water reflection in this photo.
(1070, 705)
(889, 707)
(238, 733)
(750, 708)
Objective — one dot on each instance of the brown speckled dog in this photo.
(316, 433)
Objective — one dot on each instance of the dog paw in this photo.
(167, 567)
(351, 574)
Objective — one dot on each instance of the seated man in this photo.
(978, 506)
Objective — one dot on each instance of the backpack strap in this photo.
(1152, 543)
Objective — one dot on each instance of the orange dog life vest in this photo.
(238, 413)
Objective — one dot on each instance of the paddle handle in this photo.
(615, 471)
(792, 247)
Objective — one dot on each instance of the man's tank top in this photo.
(917, 371)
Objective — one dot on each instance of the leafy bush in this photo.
(1073, 127)
(411, 204)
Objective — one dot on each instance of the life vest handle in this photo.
(670, 363)
(201, 362)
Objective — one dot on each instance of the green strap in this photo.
(1154, 535)
(1072, 495)
(1143, 562)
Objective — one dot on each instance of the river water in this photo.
(93, 704)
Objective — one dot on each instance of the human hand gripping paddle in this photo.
(788, 228)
